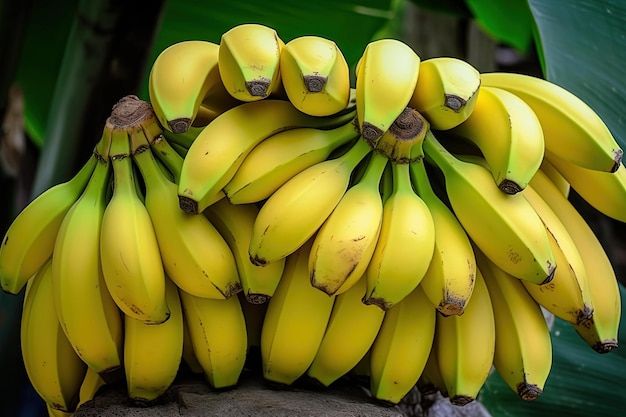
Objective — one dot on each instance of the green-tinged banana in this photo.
(129, 251)
(505, 227)
(235, 223)
(446, 91)
(523, 348)
(249, 61)
(571, 128)
(218, 334)
(402, 347)
(465, 346)
(315, 75)
(185, 139)
(509, 135)
(54, 369)
(556, 177)
(602, 333)
(163, 150)
(449, 280)
(402, 142)
(276, 159)
(90, 386)
(405, 246)
(29, 240)
(351, 330)
(152, 352)
(295, 321)
(88, 314)
(194, 254)
(604, 191)
(296, 210)
(345, 243)
(212, 160)
(385, 79)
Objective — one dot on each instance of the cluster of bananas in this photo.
(411, 229)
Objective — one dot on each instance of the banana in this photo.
(315, 75)
(386, 76)
(129, 251)
(249, 61)
(235, 223)
(163, 150)
(218, 334)
(281, 156)
(602, 333)
(556, 177)
(280, 227)
(465, 346)
(350, 333)
(212, 161)
(153, 352)
(194, 254)
(345, 243)
(449, 280)
(88, 314)
(571, 128)
(54, 369)
(604, 191)
(405, 246)
(509, 135)
(29, 240)
(504, 227)
(523, 348)
(402, 142)
(295, 321)
(401, 349)
(90, 386)
(446, 91)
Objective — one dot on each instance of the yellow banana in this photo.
(235, 223)
(345, 243)
(446, 91)
(505, 227)
(212, 161)
(401, 349)
(405, 246)
(523, 348)
(509, 135)
(449, 280)
(295, 321)
(571, 128)
(281, 156)
(315, 75)
(385, 79)
(54, 369)
(280, 227)
(249, 61)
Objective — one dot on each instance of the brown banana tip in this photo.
(454, 103)
(187, 205)
(314, 83)
(461, 400)
(180, 125)
(378, 302)
(605, 346)
(370, 132)
(528, 392)
(510, 187)
(258, 88)
(258, 261)
(257, 298)
(618, 154)
(551, 272)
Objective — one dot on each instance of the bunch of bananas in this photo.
(411, 228)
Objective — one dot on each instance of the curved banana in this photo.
(29, 240)
(449, 279)
(235, 223)
(280, 227)
(571, 128)
(523, 348)
(344, 244)
(129, 251)
(405, 246)
(212, 161)
(446, 91)
(54, 369)
(276, 159)
(402, 346)
(602, 333)
(509, 135)
(295, 321)
(315, 75)
(505, 227)
(249, 61)
(465, 346)
(218, 334)
(152, 352)
(385, 79)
